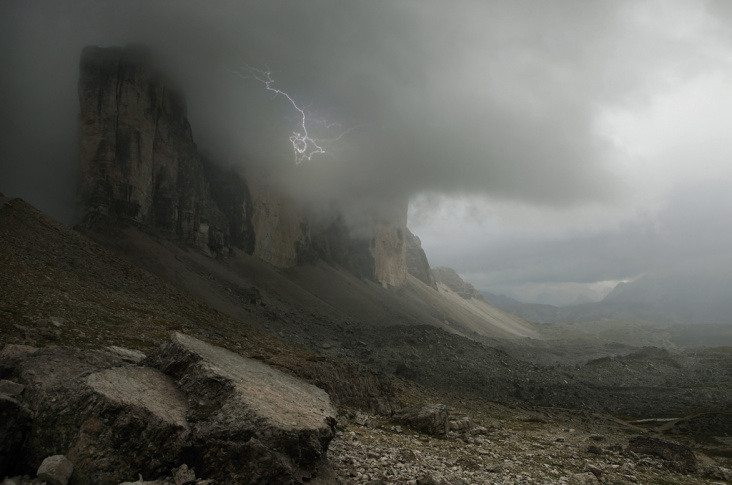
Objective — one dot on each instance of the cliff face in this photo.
(448, 277)
(283, 232)
(139, 163)
(374, 247)
(138, 159)
(389, 246)
(417, 263)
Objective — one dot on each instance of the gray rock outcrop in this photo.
(389, 245)
(283, 232)
(277, 424)
(101, 413)
(429, 418)
(676, 456)
(417, 263)
(233, 419)
(138, 159)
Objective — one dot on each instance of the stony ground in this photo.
(63, 290)
(509, 445)
(537, 454)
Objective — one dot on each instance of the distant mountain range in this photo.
(687, 296)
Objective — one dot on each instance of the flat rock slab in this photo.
(233, 419)
(251, 423)
(143, 387)
(115, 423)
(110, 419)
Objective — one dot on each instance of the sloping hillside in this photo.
(311, 303)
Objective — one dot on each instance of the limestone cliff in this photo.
(417, 263)
(138, 159)
(139, 164)
(283, 232)
(374, 247)
(389, 246)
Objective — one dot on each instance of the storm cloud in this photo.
(465, 97)
(558, 125)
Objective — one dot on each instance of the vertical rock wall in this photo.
(139, 163)
(283, 232)
(138, 159)
(389, 245)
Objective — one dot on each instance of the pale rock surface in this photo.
(277, 425)
(128, 355)
(283, 232)
(183, 475)
(110, 419)
(55, 470)
(115, 421)
(389, 245)
(10, 388)
(676, 456)
(417, 263)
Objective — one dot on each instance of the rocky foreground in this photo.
(71, 311)
(192, 412)
(115, 416)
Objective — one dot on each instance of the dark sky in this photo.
(546, 147)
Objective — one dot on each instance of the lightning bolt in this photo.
(304, 146)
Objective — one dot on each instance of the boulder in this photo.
(716, 472)
(417, 264)
(429, 418)
(55, 470)
(43, 374)
(10, 388)
(250, 423)
(676, 456)
(112, 424)
(460, 424)
(183, 475)
(110, 419)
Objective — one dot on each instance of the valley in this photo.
(542, 401)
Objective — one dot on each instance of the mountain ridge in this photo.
(140, 165)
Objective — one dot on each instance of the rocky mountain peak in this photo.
(140, 165)
(449, 277)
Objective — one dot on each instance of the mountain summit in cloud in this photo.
(541, 148)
